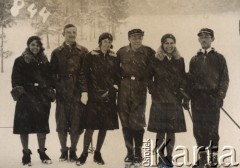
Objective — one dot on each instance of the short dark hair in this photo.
(67, 26)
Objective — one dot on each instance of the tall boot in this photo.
(44, 157)
(138, 139)
(128, 138)
(213, 162)
(203, 160)
(64, 155)
(201, 157)
(26, 159)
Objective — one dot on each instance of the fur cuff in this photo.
(17, 92)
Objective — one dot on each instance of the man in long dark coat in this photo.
(70, 84)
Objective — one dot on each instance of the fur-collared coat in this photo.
(166, 114)
(31, 83)
(100, 71)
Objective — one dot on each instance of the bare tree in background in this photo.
(6, 20)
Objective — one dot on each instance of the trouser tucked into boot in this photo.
(138, 139)
(128, 138)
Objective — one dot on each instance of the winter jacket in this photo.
(166, 113)
(208, 73)
(69, 82)
(100, 71)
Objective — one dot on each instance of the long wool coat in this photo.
(66, 63)
(100, 71)
(166, 114)
(33, 106)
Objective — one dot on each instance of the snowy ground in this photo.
(185, 29)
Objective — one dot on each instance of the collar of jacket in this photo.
(64, 45)
(161, 54)
(98, 51)
(140, 49)
(29, 57)
(201, 51)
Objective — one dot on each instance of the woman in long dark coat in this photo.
(100, 68)
(31, 83)
(166, 114)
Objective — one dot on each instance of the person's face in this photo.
(105, 44)
(70, 34)
(34, 47)
(169, 45)
(135, 41)
(205, 40)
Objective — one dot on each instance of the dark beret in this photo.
(105, 36)
(165, 36)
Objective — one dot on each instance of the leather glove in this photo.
(185, 105)
(219, 102)
(51, 93)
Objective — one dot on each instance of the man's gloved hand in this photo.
(51, 93)
(185, 105)
(84, 97)
(219, 102)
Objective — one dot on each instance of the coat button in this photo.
(133, 78)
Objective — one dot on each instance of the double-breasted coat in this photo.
(66, 63)
(101, 73)
(166, 113)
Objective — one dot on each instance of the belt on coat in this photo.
(66, 76)
(35, 85)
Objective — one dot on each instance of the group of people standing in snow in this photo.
(93, 88)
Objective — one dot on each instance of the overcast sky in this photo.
(183, 6)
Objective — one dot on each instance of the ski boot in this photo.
(202, 162)
(138, 157)
(64, 156)
(129, 161)
(138, 161)
(98, 158)
(72, 155)
(165, 162)
(26, 159)
(213, 162)
(44, 157)
(82, 159)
